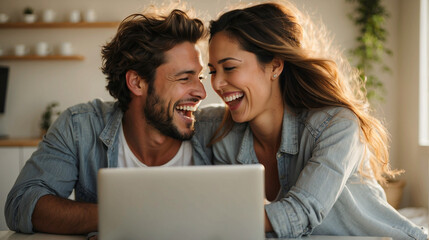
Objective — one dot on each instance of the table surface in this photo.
(10, 235)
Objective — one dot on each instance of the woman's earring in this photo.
(275, 76)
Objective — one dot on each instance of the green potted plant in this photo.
(28, 14)
(370, 16)
(48, 117)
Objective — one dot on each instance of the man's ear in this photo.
(277, 69)
(135, 83)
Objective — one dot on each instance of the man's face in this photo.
(176, 92)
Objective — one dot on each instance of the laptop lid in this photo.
(195, 202)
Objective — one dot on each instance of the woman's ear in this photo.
(277, 69)
(135, 83)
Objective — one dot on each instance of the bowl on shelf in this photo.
(3, 17)
(28, 15)
(29, 18)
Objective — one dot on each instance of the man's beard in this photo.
(157, 115)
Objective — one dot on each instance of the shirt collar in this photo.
(247, 155)
(108, 135)
(290, 127)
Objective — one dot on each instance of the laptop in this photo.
(194, 202)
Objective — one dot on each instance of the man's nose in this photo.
(199, 91)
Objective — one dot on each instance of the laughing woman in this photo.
(295, 108)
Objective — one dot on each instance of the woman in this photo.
(292, 109)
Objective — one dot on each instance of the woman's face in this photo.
(244, 84)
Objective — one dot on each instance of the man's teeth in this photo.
(233, 97)
(187, 108)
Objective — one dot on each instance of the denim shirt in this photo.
(318, 160)
(81, 141)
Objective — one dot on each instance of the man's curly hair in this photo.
(140, 44)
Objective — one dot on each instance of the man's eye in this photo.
(183, 79)
(228, 68)
(212, 72)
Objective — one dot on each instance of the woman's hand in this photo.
(268, 227)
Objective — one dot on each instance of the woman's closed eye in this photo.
(226, 69)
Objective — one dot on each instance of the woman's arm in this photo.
(336, 153)
(268, 226)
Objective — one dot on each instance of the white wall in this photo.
(33, 84)
(413, 158)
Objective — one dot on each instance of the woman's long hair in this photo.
(314, 74)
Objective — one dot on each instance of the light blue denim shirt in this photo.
(321, 192)
(81, 141)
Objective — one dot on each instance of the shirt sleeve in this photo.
(336, 155)
(208, 120)
(52, 169)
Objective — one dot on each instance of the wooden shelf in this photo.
(50, 57)
(60, 25)
(19, 142)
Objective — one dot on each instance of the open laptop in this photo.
(195, 202)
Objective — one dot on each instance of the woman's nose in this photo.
(218, 82)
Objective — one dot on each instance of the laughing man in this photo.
(153, 69)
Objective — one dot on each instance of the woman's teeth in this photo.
(233, 97)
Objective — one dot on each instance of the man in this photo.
(153, 70)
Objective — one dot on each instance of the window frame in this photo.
(424, 76)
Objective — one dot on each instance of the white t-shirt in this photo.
(127, 159)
